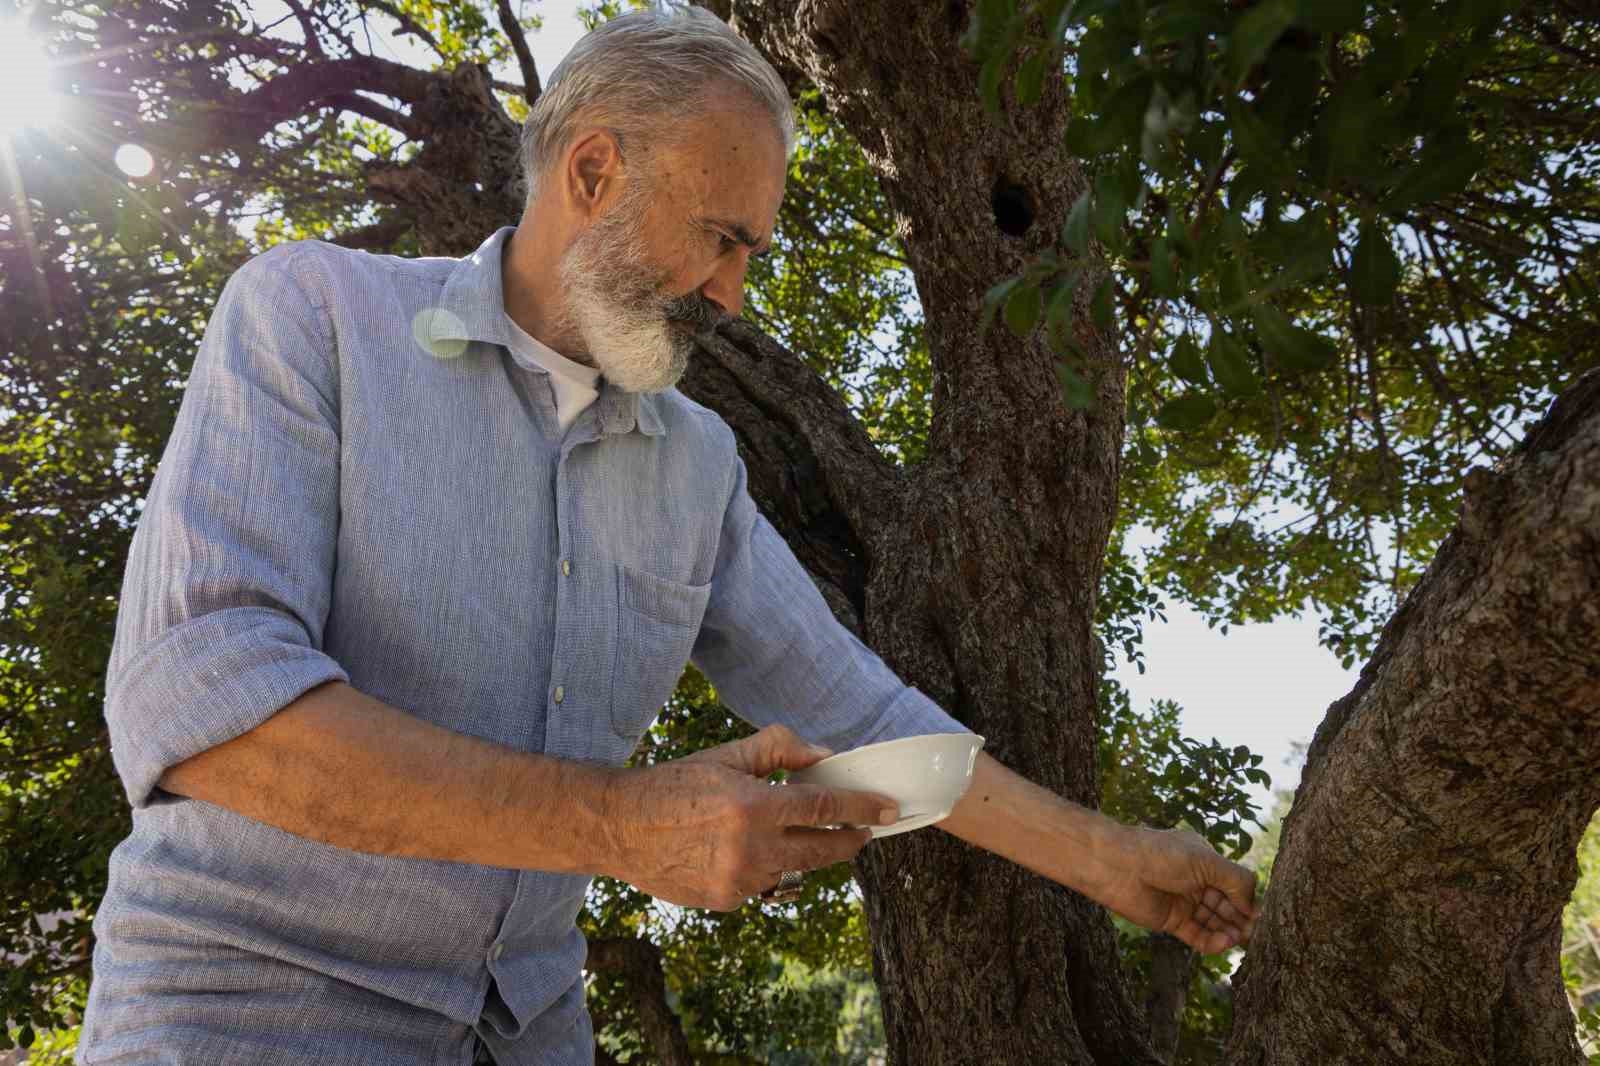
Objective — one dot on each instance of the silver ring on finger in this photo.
(787, 890)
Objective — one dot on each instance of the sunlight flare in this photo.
(26, 95)
(134, 161)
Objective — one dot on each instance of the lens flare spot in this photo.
(440, 332)
(134, 161)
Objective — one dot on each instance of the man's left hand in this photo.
(1172, 881)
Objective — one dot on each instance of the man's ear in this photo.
(593, 172)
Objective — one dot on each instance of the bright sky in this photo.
(1261, 686)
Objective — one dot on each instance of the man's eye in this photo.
(726, 243)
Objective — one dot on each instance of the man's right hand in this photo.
(709, 831)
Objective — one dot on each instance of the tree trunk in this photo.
(1415, 910)
(639, 964)
(1173, 965)
(980, 566)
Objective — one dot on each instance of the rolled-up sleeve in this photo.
(229, 575)
(773, 649)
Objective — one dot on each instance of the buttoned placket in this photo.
(558, 735)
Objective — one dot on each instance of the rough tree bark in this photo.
(1173, 965)
(639, 964)
(980, 565)
(1415, 911)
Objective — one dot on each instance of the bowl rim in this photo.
(921, 737)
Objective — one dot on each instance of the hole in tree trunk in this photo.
(1013, 208)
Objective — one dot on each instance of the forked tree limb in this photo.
(1415, 908)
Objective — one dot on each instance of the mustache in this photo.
(695, 311)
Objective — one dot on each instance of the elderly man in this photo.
(430, 544)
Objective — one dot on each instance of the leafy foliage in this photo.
(1352, 252)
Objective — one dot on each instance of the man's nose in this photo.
(726, 287)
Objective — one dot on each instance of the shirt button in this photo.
(560, 693)
(566, 566)
(497, 951)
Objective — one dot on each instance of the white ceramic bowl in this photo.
(926, 775)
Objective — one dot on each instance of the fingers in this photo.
(774, 748)
(812, 849)
(814, 805)
(1218, 920)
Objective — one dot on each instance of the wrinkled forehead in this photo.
(731, 160)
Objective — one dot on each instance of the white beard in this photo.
(617, 304)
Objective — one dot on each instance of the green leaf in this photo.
(1231, 365)
(1301, 250)
(1186, 362)
(1122, 118)
(1023, 307)
(1181, 19)
(1187, 412)
(1441, 172)
(1291, 346)
(1110, 209)
(1058, 316)
(1085, 138)
(1163, 274)
(1078, 393)
(1232, 285)
(994, 68)
(1440, 86)
(1374, 269)
(993, 300)
(1030, 79)
(1260, 144)
(1100, 309)
(1255, 32)
(990, 20)
(1075, 233)
(1332, 16)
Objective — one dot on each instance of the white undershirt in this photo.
(576, 386)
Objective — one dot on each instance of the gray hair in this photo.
(639, 76)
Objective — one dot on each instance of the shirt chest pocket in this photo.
(657, 623)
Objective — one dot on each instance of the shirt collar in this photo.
(472, 308)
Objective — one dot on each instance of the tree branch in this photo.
(313, 42)
(816, 474)
(1443, 799)
(379, 236)
(519, 44)
(245, 119)
(370, 108)
(408, 25)
(638, 963)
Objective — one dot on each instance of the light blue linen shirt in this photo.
(363, 485)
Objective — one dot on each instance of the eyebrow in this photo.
(740, 233)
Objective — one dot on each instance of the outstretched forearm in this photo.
(342, 768)
(1009, 815)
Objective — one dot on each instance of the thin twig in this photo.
(408, 25)
(519, 44)
(313, 43)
